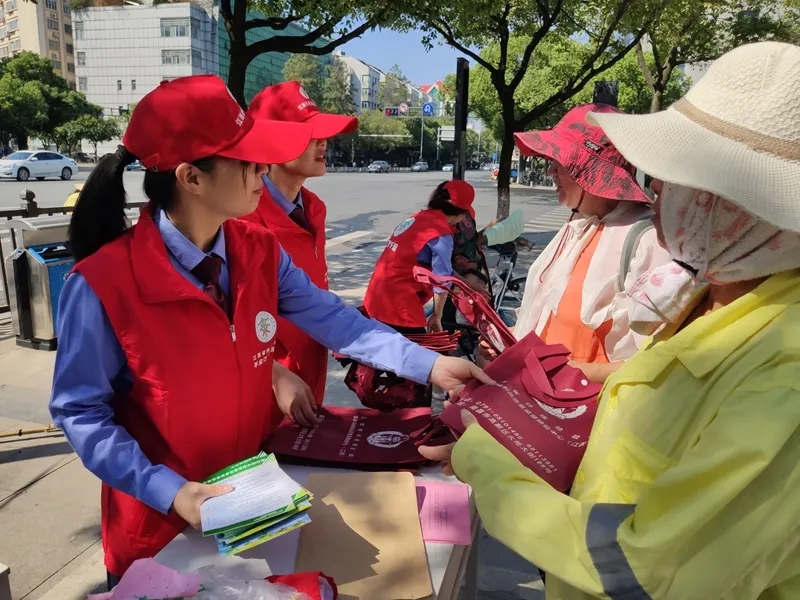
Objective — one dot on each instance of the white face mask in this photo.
(718, 241)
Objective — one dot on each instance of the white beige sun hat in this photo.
(735, 134)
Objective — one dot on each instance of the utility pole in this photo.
(421, 132)
(462, 111)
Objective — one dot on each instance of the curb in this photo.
(87, 579)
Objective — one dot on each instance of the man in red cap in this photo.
(297, 217)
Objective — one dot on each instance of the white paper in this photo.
(257, 492)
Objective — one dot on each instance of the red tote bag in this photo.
(542, 409)
(474, 306)
(354, 438)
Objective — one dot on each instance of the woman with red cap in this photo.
(166, 330)
(426, 238)
(575, 292)
(297, 217)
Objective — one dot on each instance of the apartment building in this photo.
(366, 79)
(44, 28)
(124, 52)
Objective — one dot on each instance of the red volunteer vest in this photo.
(393, 297)
(295, 350)
(202, 387)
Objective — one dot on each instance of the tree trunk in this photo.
(240, 60)
(655, 103)
(504, 173)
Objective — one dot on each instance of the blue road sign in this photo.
(494, 157)
(427, 109)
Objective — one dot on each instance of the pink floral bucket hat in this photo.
(587, 154)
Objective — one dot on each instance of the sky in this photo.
(384, 48)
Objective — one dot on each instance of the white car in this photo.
(25, 164)
(421, 166)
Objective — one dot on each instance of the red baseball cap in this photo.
(462, 195)
(587, 154)
(288, 101)
(196, 117)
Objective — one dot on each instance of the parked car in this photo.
(134, 166)
(420, 167)
(448, 168)
(378, 166)
(25, 164)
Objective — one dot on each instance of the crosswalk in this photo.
(549, 222)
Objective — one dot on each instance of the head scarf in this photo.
(711, 239)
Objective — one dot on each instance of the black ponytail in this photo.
(99, 215)
(440, 200)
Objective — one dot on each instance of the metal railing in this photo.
(28, 208)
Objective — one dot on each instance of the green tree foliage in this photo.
(393, 91)
(97, 130)
(393, 133)
(696, 31)
(256, 27)
(337, 90)
(517, 34)
(308, 71)
(23, 108)
(63, 104)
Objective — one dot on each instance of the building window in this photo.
(79, 30)
(3, 30)
(197, 28)
(175, 57)
(197, 58)
(70, 49)
(65, 7)
(52, 25)
(16, 45)
(54, 45)
(175, 27)
(70, 67)
(119, 85)
(56, 64)
(13, 25)
(51, 4)
(133, 85)
(71, 85)
(81, 59)
(11, 5)
(83, 85)
(3, 51)
(67, 28)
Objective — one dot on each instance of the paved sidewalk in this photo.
(49, 504)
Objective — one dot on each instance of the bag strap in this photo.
(632, 240)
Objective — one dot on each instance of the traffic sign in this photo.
(494, 157)
(427, 109)
(391, 112)
(447, 133)
(403, 108)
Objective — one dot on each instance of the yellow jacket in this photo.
(72, 199)
(690, 486)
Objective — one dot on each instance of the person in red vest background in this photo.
(166, 330)
(297, 217)
(426, 238)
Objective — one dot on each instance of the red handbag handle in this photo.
(534, 378)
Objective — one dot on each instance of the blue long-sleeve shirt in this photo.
(91, 365)
(280, 199)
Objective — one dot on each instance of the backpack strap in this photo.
(632, 240)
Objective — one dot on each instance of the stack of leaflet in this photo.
(264, 504)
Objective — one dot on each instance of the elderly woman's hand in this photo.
(443, 454)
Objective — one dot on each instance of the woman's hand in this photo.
(189, 498)
(596, 372)
(293, 396)
(443, 454)
(434, 323)
(452, 374)
(486, 351)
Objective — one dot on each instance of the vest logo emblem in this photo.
(387, 439)
(403, 227)
(266, 327)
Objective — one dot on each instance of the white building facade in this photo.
(366, 79)
(124, 52)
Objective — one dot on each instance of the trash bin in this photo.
(36, 273)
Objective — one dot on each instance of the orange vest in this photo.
(566, 327)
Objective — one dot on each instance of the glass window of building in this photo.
(70, 67)
(67, 28)
(13, 25)
(175, 27)
(56, 64)
(83, 85)
(81, 59)
(16, 45)
(119, 85)
(175, 57)
(79, 30)
(197, 58)
(54, 45)
(70, 49)
(11, 5)
(133, 85)
(51, 4)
